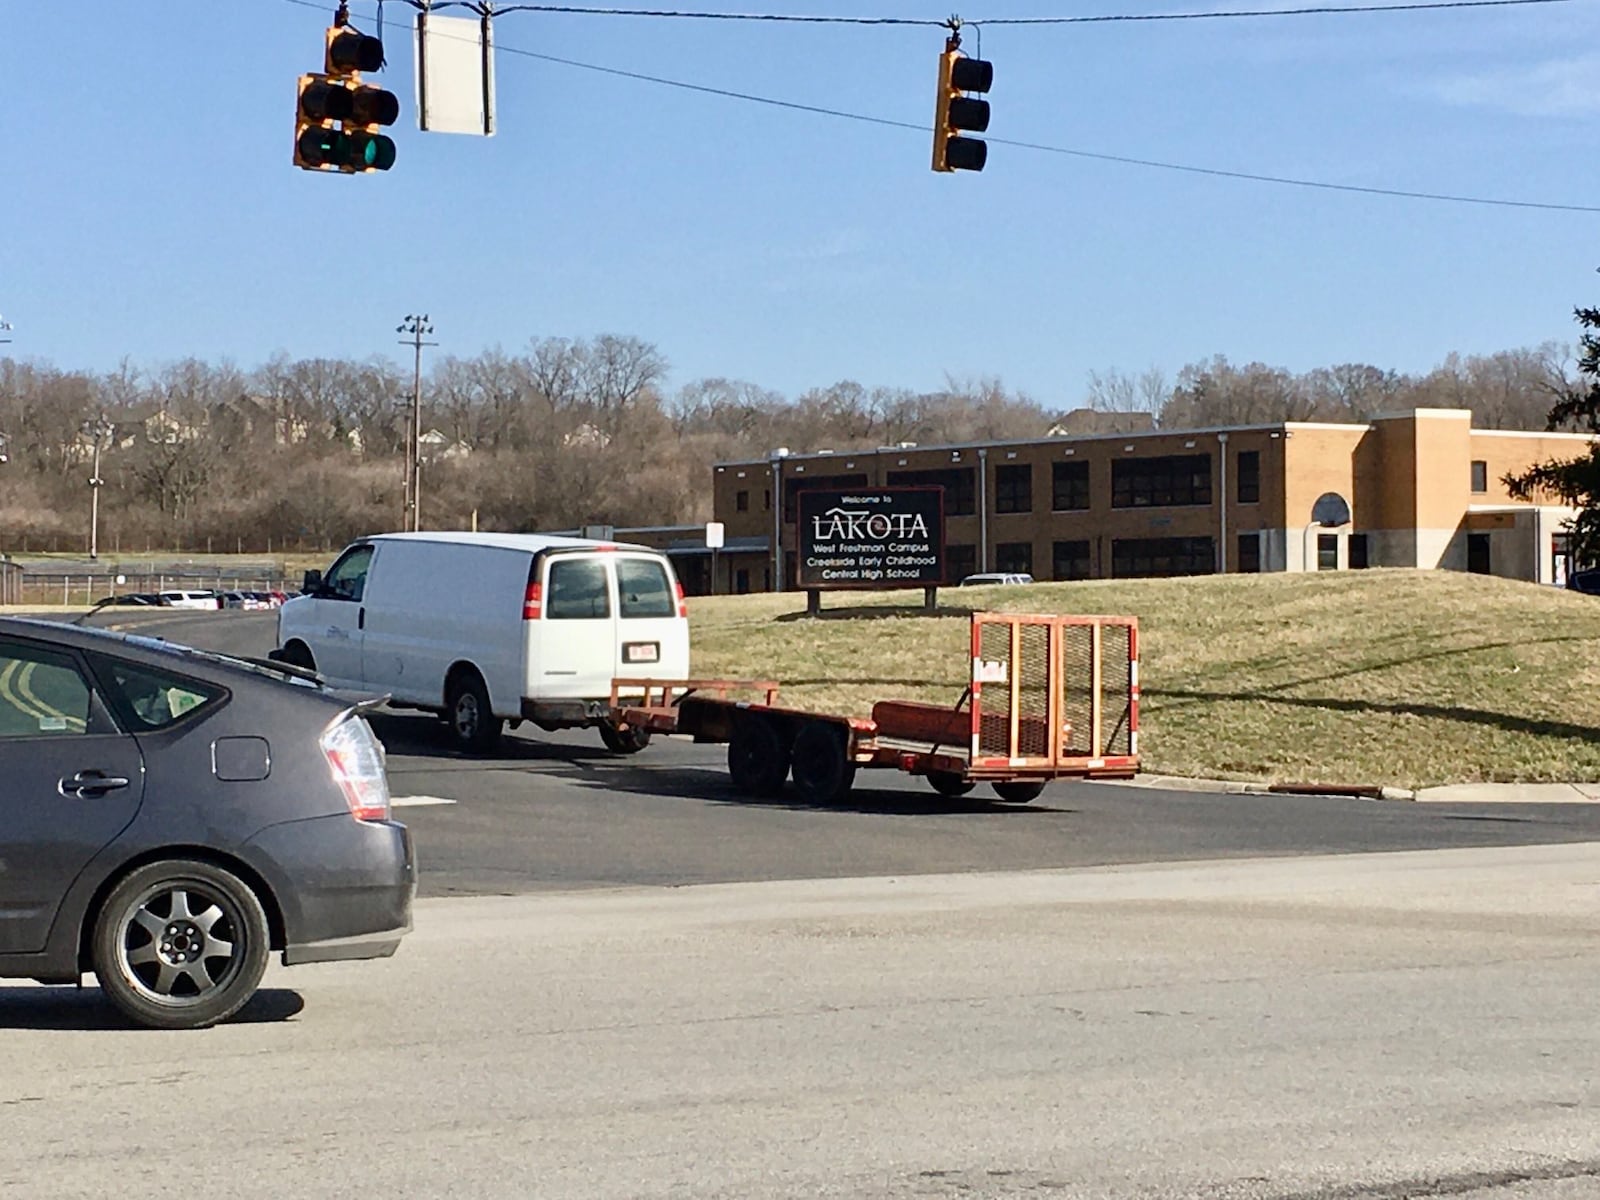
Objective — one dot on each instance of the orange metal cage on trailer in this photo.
(1048, 697)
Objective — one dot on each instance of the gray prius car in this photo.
(170, 817)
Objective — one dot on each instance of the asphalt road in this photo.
(561, 812)
(1372, 1027)
(876, 1001)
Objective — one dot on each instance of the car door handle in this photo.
(86, 785)
(361, 618)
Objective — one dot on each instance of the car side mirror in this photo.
(311, 584)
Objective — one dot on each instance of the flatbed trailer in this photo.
(1048, 697)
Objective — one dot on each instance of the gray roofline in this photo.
(1039, 441)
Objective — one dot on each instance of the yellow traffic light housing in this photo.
(337, 117)
(956, 113)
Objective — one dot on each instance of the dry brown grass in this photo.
(1411, 678)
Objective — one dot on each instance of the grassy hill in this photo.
(1411, 678)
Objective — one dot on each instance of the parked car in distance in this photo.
(994, 578)
(130, 598)
(1587, 581)
(485, 628)
(170, 817)
(246, 601)
(191, 599)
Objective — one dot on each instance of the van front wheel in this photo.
(473, 725)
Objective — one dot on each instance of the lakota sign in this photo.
(870, 538)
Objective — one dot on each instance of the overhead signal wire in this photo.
(1126, 160)
(495, 10)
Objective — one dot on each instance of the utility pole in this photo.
(100, 429)
(416, 327)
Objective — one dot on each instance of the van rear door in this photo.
(576, 628)
(652, 622)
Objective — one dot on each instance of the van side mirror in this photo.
(312, 583)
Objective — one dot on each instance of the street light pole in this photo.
(416, 327)
(100, 429)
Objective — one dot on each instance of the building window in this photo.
(1013, 489)
(1014, 557)
(741, 501)
(1180, 479)
(1069, 560)
(960, 560)
(1478, 553)
(1069, 486)
(1327, 551)
(1249, 559)
(1249, 476)
(1480, 476)
(741, 581)
(766, 500)
(1358, 552)
(960, 486)
(1144, 558)
(793, 487)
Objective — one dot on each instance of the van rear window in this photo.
(578, 590)
(644, 590)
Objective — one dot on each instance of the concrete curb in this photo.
(1458, 793)
(1239, 787)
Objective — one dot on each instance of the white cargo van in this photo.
(490, 627)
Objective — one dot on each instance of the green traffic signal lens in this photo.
(373, 151)
(323, 147)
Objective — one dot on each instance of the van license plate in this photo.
(641, 652)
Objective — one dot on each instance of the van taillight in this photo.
(683, 605)
(533, 602)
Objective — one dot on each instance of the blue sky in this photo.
(149, 208)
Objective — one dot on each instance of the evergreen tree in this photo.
(1574, 481)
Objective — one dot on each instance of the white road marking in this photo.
(417, 801)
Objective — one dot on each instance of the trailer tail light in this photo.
(533, 602)
(355, 758)
(683, 605)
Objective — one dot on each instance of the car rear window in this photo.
(643, 589)
(578, 590)
(148, 698)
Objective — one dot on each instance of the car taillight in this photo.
(533, 602)
(356, 759)
(683, 605)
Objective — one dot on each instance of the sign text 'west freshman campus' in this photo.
(870, 538)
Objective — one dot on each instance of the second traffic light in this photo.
(956, 113)
(337, 117)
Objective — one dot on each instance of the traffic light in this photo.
(956, 113)
(337, 117)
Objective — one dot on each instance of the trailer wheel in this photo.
(624, 741)
(823, 772)
(1019, 791)
(948, 783)
(758, 760)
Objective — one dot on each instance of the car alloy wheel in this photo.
(181, 945)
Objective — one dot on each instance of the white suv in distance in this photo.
(195, 600)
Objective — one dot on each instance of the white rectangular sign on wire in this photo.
(455, 74)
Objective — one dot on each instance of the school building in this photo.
(1413, 489)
